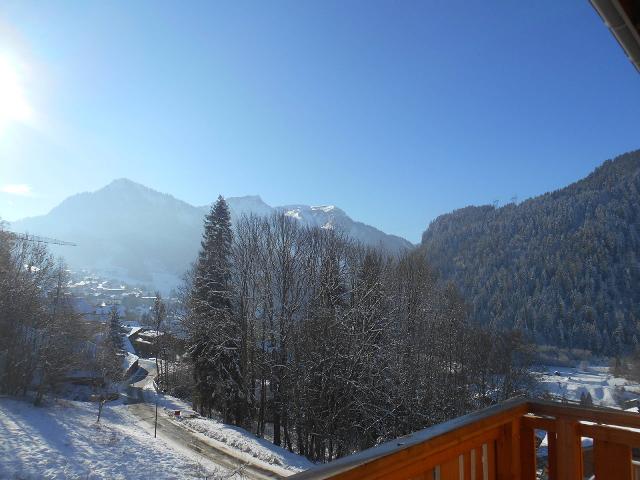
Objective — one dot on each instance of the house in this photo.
(145, 341)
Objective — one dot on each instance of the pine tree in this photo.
(214, 333)
(158, 317)
(115, 328)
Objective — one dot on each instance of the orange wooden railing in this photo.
(499, 443)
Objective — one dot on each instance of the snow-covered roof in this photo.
(133, 331)
(150, 334)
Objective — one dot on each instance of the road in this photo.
(175, 432)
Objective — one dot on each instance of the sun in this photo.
(14, 106)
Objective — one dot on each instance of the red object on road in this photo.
(176, 413)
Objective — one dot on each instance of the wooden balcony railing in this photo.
(499, 442)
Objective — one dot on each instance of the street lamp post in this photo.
(155, 427)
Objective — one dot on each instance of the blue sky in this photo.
(395, 111)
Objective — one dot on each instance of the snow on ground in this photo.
(63, 441)
(243, 441)
(234, 440)
(571, 383)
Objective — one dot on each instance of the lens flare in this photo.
(14, 106)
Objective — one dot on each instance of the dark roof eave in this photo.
(621, 26)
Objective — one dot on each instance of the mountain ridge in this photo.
(120, 230)
(563, 266)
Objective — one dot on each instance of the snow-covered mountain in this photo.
(330, 216)
(131, 232)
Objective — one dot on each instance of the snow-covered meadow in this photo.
(63, 441)
(571, 383)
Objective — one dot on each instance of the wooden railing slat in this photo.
(450, 469)
(505, 453)
(552, 455)
(540, 423)
(476, 464)
(611, 434)
(601, 415)
(466, 470)
(612, 461)
(568, 450)
(491, 460)
(515, 463)
(527, 452)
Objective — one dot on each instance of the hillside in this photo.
(130, 232)
(563, 266)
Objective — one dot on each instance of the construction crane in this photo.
(39, 239)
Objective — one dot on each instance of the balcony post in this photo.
(527, 453)
(508, 451)
(569, 450)
(552, 454)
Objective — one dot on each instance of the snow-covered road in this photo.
(141, 397)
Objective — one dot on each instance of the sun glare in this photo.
(14, 107)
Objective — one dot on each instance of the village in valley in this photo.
(95, 296)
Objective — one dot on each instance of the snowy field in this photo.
(63, 441)
(570, 383)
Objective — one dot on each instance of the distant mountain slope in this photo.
(329, 216)
(124, 230)
(134, 233)
(563, 266)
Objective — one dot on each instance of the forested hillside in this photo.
(562, 266)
